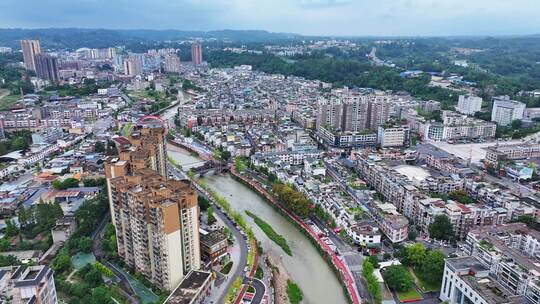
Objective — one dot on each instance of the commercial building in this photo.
(30, 49)
(27, 285)
(458, 126)
(213, 246)
(500, 265)
(505, 110)
(511, 152)
(393, 136)
(46, 67)
(196, 53)
(469, 104)
(133, 66)
(467, 280)
(171, 63)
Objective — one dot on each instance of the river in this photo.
(306, 267)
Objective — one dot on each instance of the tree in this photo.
(85, 244)
(11, 229)
(101, 295)
(529, 220)
(398, 278)
(203, 202)
(61, 263)
(516, 124)
(374, 260)
(210, 214)
(20, 143)
(79, 290)
(65, 184)
(4, 245)
(412, 235)
(461, 196)
(93, 277)
(416, 254)
(99, 147)
(225, 155)
(441, 228)
(9, 260)
(23, 217)
(432, 267)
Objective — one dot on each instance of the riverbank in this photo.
(280, 277)
(328, 255)
(271, 233)
(322, 288)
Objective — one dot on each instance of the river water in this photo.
(306, 267)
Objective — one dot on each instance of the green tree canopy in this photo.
(398, 278)
(441, 228)
(432, 268)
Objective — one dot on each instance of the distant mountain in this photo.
(73, 38)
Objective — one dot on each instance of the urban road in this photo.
(178, 174)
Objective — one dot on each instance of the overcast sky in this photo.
(313, 17)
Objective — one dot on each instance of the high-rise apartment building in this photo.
(505, 110)
(156, 220)
(157, 226)
(30, 49)
(378, 111)
(133, 66)
(46, 67)
(196, 53)
(351, 111)
(172, 63)
(469, 104)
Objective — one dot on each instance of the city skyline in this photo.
(308, 17)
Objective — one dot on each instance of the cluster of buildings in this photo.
(359, 118)
(498, 265)
(413, 190)
(71, 67)
(242, 88)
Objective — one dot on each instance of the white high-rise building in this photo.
(505, 110)
(469, 104)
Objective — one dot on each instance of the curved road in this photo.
(234, 230)
(260, 289)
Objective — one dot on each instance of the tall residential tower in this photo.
(30, 49)
(196, 53)
(156, 220)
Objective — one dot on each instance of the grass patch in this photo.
(227, 268)
(8, 101)
(251, 289)
(424, 286)
(409, 295)
(127, 129)
(271, 233)
(259, 274)
(294, 292)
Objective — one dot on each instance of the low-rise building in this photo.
(393, 136)
(213, 246)
(27, 285)
(193, 288)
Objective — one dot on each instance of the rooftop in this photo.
(189, 288)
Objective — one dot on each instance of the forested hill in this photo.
(73, 38)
